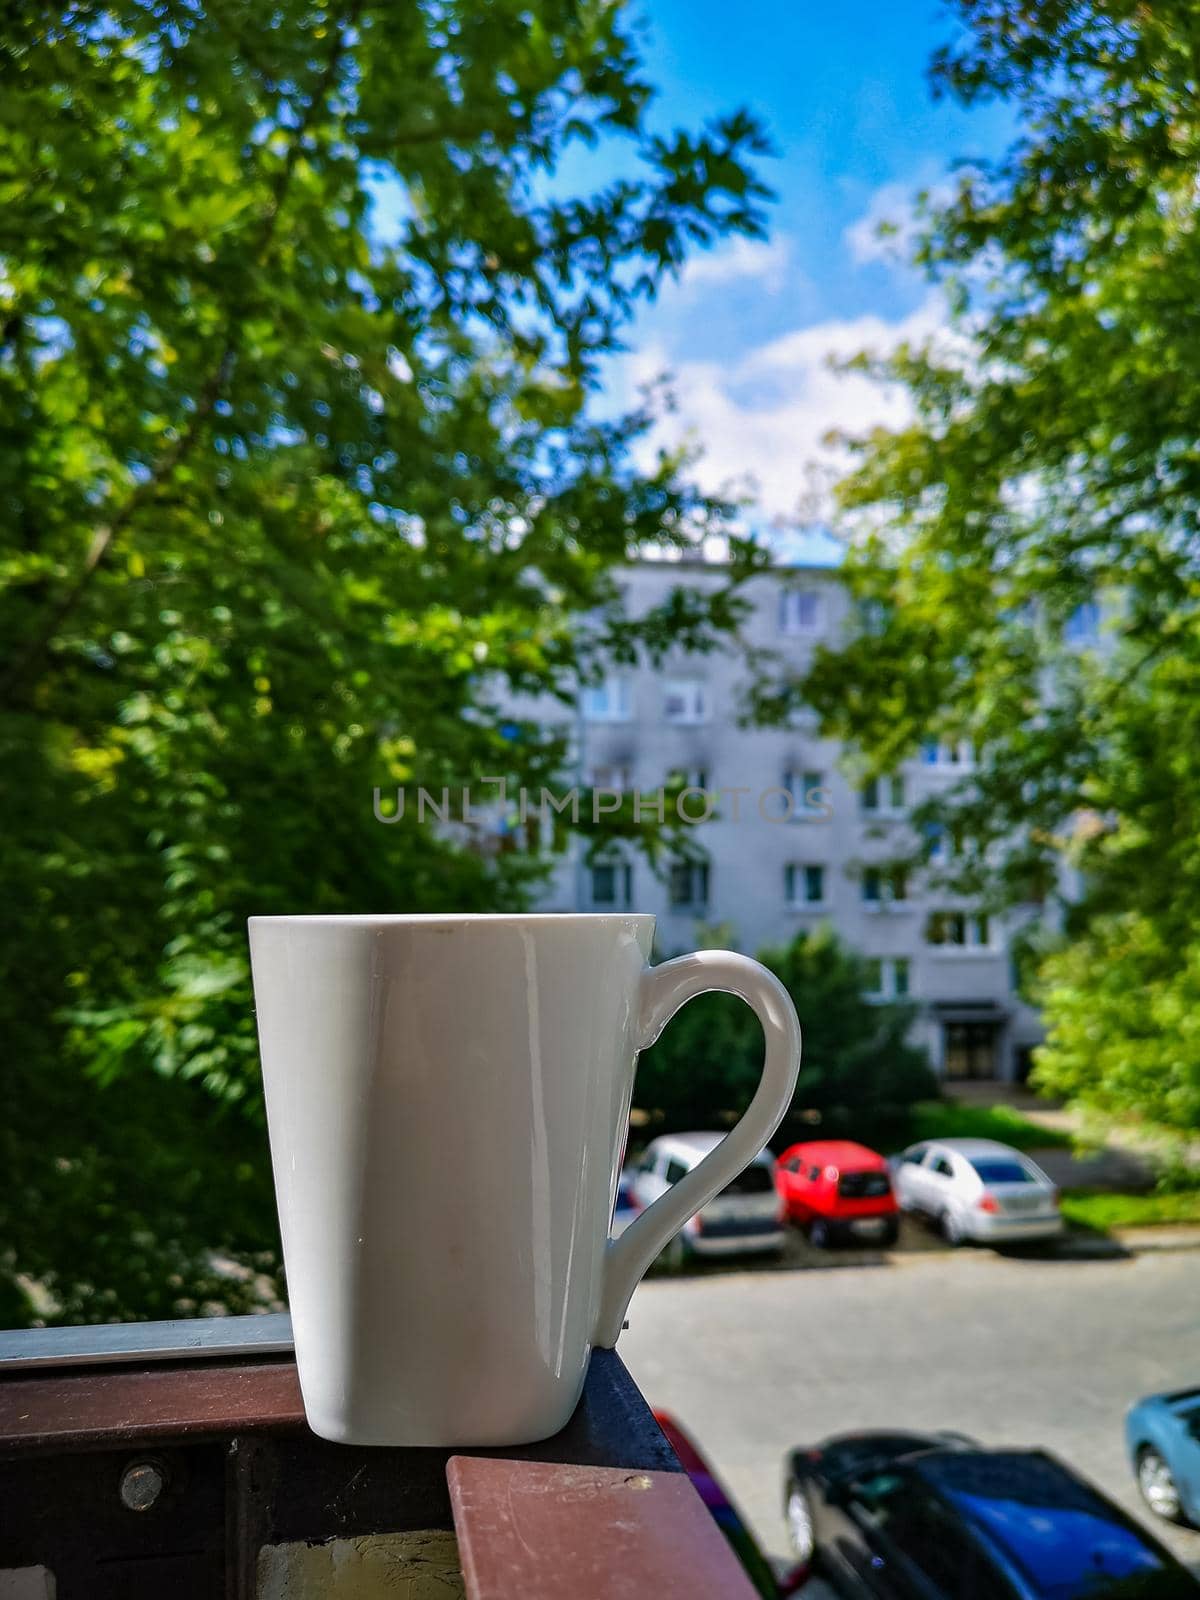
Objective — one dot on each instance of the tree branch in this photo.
(104, 537)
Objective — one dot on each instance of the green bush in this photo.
(857, 1061)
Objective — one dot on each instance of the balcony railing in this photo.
(172, 1460)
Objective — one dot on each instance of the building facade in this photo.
(790, 843)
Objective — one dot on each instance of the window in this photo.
(675, 1171)
(939, 843)
(947, 752)
(809, 796)
(884, 885)
(685, 701)
(887, 977)
(804, 884)
(610, 775)
(610, 701)
(946, 927)
(688, 778)
(942, 1167)
(799, 611)
(961, 930)
(915, 1156)
(688, 883)
(863, 1185)
(612, 884)
(925, 1534)
(881, 796)
(993, 1170)
(754, 1179)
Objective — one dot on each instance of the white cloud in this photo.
(765, 260)
(761, 423)
(895, 205)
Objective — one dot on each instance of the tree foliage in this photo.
(706, 1065)
(298, 325)
(1049, 480)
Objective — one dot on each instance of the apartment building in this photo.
(789, 843)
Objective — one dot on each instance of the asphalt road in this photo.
(1011, 1351)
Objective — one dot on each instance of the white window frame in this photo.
(622, 884)
(693, 692)
(699, 885)
(979, 933)
(688, 778)
(889, 988)
(947, 754)
(887, 895)
(795, 605)
(941, 844)
(795, 876)
(616, 776)
(609, 701)
(887, 785)
(800, 784)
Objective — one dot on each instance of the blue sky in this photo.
(843, 91)
(747, 332)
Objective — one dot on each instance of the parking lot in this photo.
(1015, 1351)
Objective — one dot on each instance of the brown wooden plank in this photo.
(544, 1531)
(108, 1405)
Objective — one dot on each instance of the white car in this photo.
(625, 1206)
(747, 1215)
(977, 1189)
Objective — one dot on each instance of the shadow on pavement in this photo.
(917, 1238)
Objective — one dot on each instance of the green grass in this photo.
(1087, 1209)
(943, 1119)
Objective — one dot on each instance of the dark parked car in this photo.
(907, 1516)
(1163, 1435)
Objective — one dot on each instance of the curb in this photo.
(1141, 1240)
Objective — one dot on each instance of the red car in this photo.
(838, 1190)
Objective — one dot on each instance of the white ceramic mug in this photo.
(448, 1099)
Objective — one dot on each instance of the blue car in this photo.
(903, 1516)
(1162, 1433)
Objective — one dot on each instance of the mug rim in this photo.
(401, 919)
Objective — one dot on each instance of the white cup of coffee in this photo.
(448, 1099)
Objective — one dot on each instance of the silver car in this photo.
(977, 1189)
(746, 1216)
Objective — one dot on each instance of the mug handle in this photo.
(664, 989)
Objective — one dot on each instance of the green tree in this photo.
(856, 1058)
(298, 326)
(1025, 549)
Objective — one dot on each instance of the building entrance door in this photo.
(970, 1049)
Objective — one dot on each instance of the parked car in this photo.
(1162, 1433)
(625, 1206)
(906, 1516)
(770, 1584)
(977, 1189)
(838, 1190)
(747, 1215)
